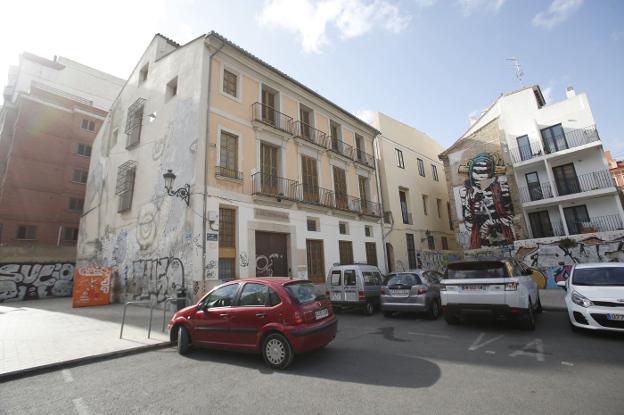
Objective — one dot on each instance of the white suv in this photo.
(595, 296)
(499, 288)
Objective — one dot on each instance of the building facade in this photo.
(280, 180)
(616, 167)
(415, 199)
(525, 169)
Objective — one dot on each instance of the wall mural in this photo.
(30, 281)
(485, 202)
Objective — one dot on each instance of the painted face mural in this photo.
(486, 203)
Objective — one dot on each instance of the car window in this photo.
(602, 277)
(254, 294)
(274, 299)
(517, 269)
(481, 269)
(221, 297)
(305, 292)
(380, 278)
(403, 278)
(349, 277)
(335, 278)
(371, 278)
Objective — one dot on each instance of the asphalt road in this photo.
(400, 365)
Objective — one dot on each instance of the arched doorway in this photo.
(390, 256)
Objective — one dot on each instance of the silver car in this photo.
(412, 291)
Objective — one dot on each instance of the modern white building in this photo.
(526, 169)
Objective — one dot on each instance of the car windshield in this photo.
(305, 292)
(470, 270)
(401, 279)
(611, 276)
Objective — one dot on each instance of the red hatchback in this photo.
(278, 317)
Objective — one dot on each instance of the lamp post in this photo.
(183, 192)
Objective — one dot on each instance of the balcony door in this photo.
(566, 179)
(535, 188)
(554, 139)
(340, 188)
(404, 211)
(359, 147)
(363, 185)
(577, 219)
(309, 175)
(524, 147)
(269, 162)
(306, 121)
(540, 224)
(268, 106)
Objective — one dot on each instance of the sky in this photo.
(429, 63)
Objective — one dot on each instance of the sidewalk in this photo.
(553, 299)
(37, 334)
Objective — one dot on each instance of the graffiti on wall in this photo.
(434, 260)
(155, 279)
(30, 281)
(485, 202)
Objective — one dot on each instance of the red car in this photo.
(278, 317)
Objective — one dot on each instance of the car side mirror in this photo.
(562, 284)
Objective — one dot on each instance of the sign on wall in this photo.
(91, 286)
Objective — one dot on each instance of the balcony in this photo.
(278, 187)
(536, 192)
(271, 117)
(309, 133)
(569, 139)
(585, 183)
(340, 147)
(364, 158)
(596, 224)
(525, 152)
(229, 173)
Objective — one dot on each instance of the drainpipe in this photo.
(377, 144)
(58, 238)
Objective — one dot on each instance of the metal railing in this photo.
(138, 304)
(595, 224)
(309, 133)
(536, 192)
(340, 147)
(364, 158)
(270, 185)
(370, 208)
(270, 116)
(570, 139)
(525, 152)
(585, 183)
(554, 229)
(229, 173)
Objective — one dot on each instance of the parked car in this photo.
(595, 296)
(412, 291)
(355, 285)
(500, 288)
(278, 317)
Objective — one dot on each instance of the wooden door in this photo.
(340, 188)
(316, 261)
(269, 168)
(363, 184)
(309, 175)
(271, 254)
(268, 106)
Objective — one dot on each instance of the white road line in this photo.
(476, 345)
(67, 376)
(490, 352)
(567, 363)
(81, 407)
(538, 353)
(438, 336)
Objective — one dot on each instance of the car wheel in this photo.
(451, 319)
(388, 314)
(529, 319)
(539, 306)
(277, 352)
(434, 310)
(183, 340)
(369, 308)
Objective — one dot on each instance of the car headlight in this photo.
(581, 300)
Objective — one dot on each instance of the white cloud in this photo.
(310, 19)
(558, 12)
(368, 116)
(470, 6)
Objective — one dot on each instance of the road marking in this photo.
(81, 407)
(439, 336)
(490, 352)
(67, 376)
(567, 363)
(538, 353)
(476, 345)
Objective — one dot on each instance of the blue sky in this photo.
(428, 63)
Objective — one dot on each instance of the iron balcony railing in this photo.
(536, 192)
(370, 208)
(316, 195)
(585, 183)
(229, 173)
(364, 158)
(548, 230)
(309, 133)
(340, 147)
(278, 187)
(525, 152)
(570, 139)
(270, 116)
(595, 224)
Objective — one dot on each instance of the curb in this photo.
(37, 370)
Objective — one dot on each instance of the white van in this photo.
(355, 285)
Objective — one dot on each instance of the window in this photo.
(445, 243)
(554, 139)
(346, 253)
(421, 167)
(172, 89)
(27, 232)
(309, 175)
(340, 188)
(577, 219)
(430, 242)
(230, 83)
(84, 150)
(134, 122)
(371, 253)
(404, 212)
(269, 162)
(273, 298)
(306, 117)
(411, 250)
(304, 292)
(343, 228)
(524, 147)
(270, 102)
(70, 234)
(125, 185)
(227, 227)
(363, 185)
(88, 125)
(80, 176)
(448, 211)
(312, 224)
(221, 297)
(143, 73)
(439, 207)
(254, 295)
(349, 277)
(434, 172)
(368, 230)
(566, 179)
(534, 187)
(226, 269)
(228, 152)
(336, 278)
(541, 226)
(400, 161)
(425, 200)
(316, 260)
(359, 148)
(336, 136)
(371, 278)
(76, 204)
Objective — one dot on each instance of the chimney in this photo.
(570, 92)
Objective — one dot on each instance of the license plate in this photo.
(473, 287)
(616, 317)
(322, 313)
(399, 293)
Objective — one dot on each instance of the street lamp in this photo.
(183, 192)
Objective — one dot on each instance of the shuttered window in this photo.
(316, 260)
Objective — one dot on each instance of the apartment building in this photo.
(269, 178)
(415, 199)
(51, 114)
(616, 167)
(525, 169)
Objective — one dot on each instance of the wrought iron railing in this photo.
(229, 173)
(525, 152)
(553, 229)
(364, 158)
(595, 224)
(570, 139)
(585, 183)
(536, 192)
(309, 133)
(370, 208)
(270, 116)
(340, 147)
(270, 185)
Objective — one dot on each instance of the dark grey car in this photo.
(412, 291)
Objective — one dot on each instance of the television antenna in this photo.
(519, 72)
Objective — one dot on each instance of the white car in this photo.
(595, 296)
(501, 288)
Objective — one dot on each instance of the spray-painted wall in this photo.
(34, 280)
